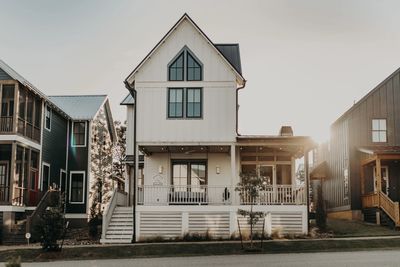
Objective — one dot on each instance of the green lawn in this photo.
(344, 228)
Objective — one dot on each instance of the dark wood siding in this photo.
(54, 149)
(380, 103)
(77, 161)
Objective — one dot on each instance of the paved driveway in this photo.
(326, 259)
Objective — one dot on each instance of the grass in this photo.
(344, 228)
(195, 249)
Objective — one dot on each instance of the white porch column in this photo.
(233, 173)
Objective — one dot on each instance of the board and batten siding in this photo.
(218, 122)
(380, 103)
(55, 146)
(336, 189)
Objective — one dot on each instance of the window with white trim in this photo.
(379, 131)
(77, 187)
(78, 133)
(47, 116)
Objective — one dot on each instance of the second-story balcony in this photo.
(20, 111)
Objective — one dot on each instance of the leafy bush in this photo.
(14, 262)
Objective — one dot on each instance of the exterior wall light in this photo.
(218, 170)
(160, 169)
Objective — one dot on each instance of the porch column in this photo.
(378, 175)
(233, 171)
(13, 182)
(16, 108)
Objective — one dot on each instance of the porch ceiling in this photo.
(183, 149)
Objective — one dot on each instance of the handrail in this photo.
(389, 207)
(40, 208)
(370, 200)
(118, 198)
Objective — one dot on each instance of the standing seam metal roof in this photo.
(80, 107)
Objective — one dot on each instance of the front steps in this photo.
(120, 228)
(370, 216)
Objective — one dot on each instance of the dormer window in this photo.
(185, 66)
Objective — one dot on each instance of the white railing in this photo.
(219, 195)
(117, 199)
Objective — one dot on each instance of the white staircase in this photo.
(120, 227)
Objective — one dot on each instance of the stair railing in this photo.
(40, 208)
(118, 198)
(390, 207)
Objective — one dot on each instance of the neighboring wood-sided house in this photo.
(45, 144)
(182, 117)
(361, 164)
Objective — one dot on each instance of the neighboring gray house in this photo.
(48, 142)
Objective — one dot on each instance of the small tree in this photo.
(249, 190)
(119, 152)
(50, 225)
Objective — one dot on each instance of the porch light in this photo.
(160, 169)
(218, 169)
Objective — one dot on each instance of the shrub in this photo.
(14, 262)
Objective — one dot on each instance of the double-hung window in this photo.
(379, 131)
(79, 133)
(192, 108)
(77, 188)
(47, 122)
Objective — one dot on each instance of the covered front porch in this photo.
(209, 174)
(380, 181)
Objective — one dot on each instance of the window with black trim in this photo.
(193, 102)
(185, 67)
(193, 69)
(79, 133)
(176, 69)
(175, 102)
(379, 131)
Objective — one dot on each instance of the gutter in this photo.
(237, 106)
(132, 91)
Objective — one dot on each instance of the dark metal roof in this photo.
(232, 53)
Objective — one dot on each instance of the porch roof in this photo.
(380, 150)
(319, 172)
(149, 149)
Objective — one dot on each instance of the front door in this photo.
(3, 181)
(385, 179)
(33, 188)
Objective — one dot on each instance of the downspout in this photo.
(132, 91)
(237, 106)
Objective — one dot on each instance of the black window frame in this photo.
(169, 102)
(200, 66)
(187, 102)
(182, 54)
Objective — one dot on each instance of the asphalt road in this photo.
(326, 259)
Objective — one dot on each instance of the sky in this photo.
(306, 61)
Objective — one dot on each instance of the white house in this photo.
(182, 141)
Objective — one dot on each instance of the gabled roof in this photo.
(185, 16)
(128, 100)
(16, 76)
(80, 107)
(359, 102)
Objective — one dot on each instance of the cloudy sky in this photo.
(306, 62)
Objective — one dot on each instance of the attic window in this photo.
(379, 131)
(185, 66)
(176, 69)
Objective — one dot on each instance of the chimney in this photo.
(286, 131)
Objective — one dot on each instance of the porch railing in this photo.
(6, 124)
(381, 200)
(219, 195)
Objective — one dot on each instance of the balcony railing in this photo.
(6, 124)
(219, 195)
